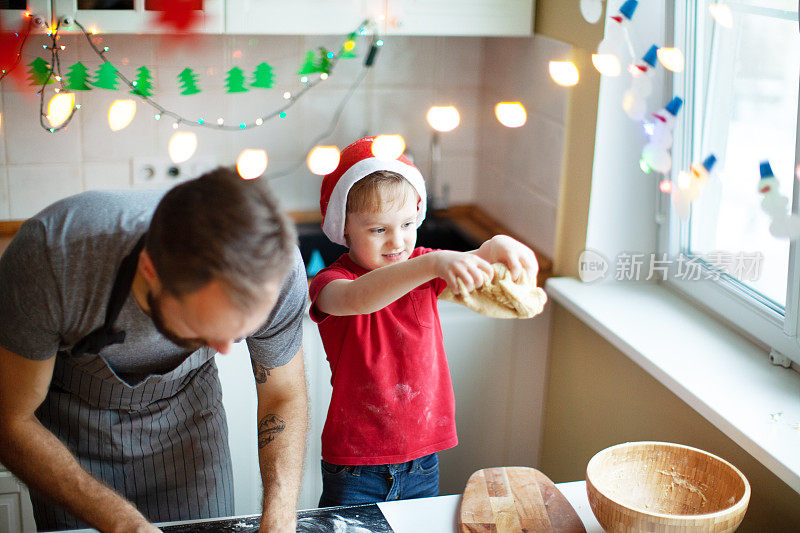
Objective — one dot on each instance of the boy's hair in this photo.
(377, 191)
(220, 227)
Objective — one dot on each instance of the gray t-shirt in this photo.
(56, 277)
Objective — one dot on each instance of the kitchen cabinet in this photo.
(394, 17)
(16, 513)
(299, 17)
(14, 11)
(132, 16)
(464, 17)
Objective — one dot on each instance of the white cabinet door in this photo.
(131, 16)
(297, 17)
(16, 514)
(239, 400)
(459, 17)
(14, 15)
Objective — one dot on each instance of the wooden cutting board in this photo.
(513, 499)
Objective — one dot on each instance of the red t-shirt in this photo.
(392, 395)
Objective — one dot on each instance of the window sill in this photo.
(721, 375)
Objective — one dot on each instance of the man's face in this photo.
(207, 317)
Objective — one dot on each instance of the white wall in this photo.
(411, 74)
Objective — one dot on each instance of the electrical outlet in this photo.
(161, 172)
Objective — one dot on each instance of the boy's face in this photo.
(383, 237)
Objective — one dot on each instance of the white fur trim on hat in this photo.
(333, 225)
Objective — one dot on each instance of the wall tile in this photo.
(33, 187)
(544, 94)
(4, 205)
(107, 175)
(458, 62)
(101, 144)
(406, 62)
(30, 143)
(403, 111)
(210, 141)
(126, 52)
(459, 174)
(544, 156)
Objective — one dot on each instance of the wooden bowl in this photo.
(658, 486)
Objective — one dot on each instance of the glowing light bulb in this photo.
(349, 45)
(607, 64)
(287, 95)
(251, 163)
(684, 180)
(591, 10)
(722, 14)
(182, 146)
(323, 160)
(121, 113)
(220, 121)
(510, 114)
(443, 118)
(564, 73)
(323, 76)
(665, 186)
(671, 58)
(644, 166)
(60, 108)
(388, 146)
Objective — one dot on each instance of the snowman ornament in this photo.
(784, 224)
(656, 153)
(634, 101)
(617, 39)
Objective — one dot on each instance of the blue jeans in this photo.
(352, 485)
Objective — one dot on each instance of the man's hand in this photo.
(471, 269)
(273, 524)
(515, 255)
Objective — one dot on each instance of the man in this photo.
(110, 316)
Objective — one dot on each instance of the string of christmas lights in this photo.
(68, 107)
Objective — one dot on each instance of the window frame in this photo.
(729, 300)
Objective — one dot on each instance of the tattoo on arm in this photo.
(260, 372)
(268, 429)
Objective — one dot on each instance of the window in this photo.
(741, 86)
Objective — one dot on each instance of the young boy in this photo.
(392, 406)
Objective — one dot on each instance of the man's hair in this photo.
(377, 191)
(220, 227)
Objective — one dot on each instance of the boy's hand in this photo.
(471, 269)
(515, 255)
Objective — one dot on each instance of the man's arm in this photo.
(380, 287)
(282, 424)
(40, 460)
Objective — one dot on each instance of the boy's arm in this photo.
(515, 255)
(380, 287)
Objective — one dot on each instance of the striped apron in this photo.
(161, 443)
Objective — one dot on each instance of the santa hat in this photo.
(357, 161)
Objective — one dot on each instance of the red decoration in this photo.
(177, 15)
(10, 43)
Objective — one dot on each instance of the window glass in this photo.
(749, 114)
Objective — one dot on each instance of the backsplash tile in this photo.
(106, 175)
(4, 208)
(33, 187)
(27, 142)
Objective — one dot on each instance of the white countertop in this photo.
(439, 514)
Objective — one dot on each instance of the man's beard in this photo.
(158, 321)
